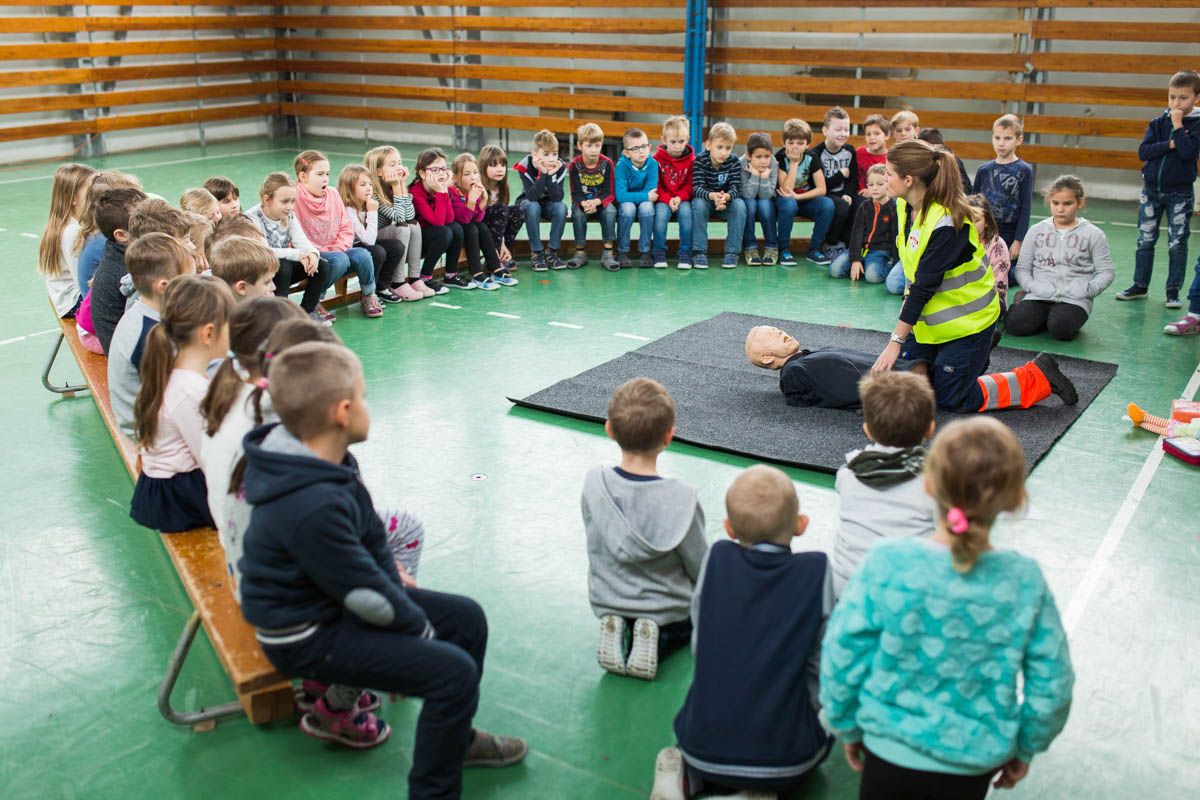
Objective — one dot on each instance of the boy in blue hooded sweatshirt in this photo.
(321, 587)
(1169, 150)
(636, 181)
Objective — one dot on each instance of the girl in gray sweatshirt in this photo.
(1064, 264)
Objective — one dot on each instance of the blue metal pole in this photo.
(695, 37)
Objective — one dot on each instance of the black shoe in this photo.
(623, 261)
(436, 285)
(645, 261)
(458, 281)
(388, 296)
(537, 262)
(1134, 292)
(1059, 384)
(553, 261)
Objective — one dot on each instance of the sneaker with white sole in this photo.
(668, 775)
(1188, 326)
(610, 652)
(353, 728)
(786, 259)
(1173, 301)
(643, 655)
(660, 262)
(685, 262)
(699, 261)
(504, 279)
(1134, 292)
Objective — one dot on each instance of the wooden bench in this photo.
(263, 694)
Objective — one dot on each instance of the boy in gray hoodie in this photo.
(879, 489)
(645, 537)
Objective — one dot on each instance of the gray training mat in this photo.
(725, 403)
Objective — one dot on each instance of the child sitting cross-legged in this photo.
(170, 495)
(322, 588)
(246, 264)
(880, 491)
(872, 252)
(945, 663)
(750, 721)
(591, 174)
(645, 536)
(153, 262)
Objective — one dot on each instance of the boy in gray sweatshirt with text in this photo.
(645, 537)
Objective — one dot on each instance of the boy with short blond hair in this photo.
(750, 722)
(676, 164)
(880, 488)
(153, 261)
(645, 536)
(906, 126)
(875, 130)
(717, 190)
(1168, 152)
(591, 173)
(543, 176)
(801, 191)
(637, 191)
(246, 264)
(841, 175)
(1007, 183)
(872, 254)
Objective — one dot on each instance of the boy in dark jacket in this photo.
(543, 175)
(872, 236)
(750, 720)
(1169, 150)
(111, 287)
(321, 586)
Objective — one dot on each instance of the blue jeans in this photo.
(355, 258)
(662, 215)
(762, 210)
(608, 223)
(735, 218)
(818, 209)
(895, 279)
(644, 212)
(954, 368)
(1152, 206)
(877, 265)
(535, 212)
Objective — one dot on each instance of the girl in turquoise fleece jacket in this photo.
(921, 659)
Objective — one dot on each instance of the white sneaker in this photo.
(668, 775)
(610, 653)
(643, 656)
(660, 263)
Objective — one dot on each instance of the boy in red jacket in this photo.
(675, 159)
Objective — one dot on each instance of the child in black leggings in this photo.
(468, 197)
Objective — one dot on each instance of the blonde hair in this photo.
(347, 183)
(877, 169)
(153, 257)
(200, 229)
(273, 183)
(676, 124)
(897, 407)
(307, 380)
(302, 163)
(796, 128)
(905, 117)
(198, 200)
(489, 156)
(460, 162)
(837, 112)
(102, 182)
(373, 161)
(154, 215)
(937, 169)
(640, 413)
(589, 133)
(240, 258)
(1010, 122)
(69, 179)
(762, 506)
(975, 466)
(545, 140)
(722, 132)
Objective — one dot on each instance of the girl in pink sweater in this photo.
(326, 223)
(469, 200)
(439, 237)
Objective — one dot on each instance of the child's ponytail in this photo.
(190, 303)
(975, 470)
(937, 168)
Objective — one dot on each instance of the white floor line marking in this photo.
(502, 314)
(566, 325)
(1124, 224)
(43, 333)
(12, 340)
(2, 230)
(1116, 531)
(444, 305)
(633, 336)
(30, 235)
(134, 167)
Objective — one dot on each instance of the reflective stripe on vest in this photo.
(992, 388)
(966, 301)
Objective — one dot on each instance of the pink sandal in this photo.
(353, 728)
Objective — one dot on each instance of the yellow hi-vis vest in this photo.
(966, 302)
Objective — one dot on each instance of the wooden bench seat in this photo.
(263, 694)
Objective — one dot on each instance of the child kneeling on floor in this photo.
(750, 720)
(321, 586)
(645, 536)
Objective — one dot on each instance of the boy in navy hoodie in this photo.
(750, 720)
(321, 587)
(1169, 150)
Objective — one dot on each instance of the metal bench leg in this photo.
(67, 390)
(168, 684)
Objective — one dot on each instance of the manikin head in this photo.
(769, 347)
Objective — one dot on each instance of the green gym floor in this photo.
(92, 607)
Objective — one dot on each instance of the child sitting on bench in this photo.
(170, 495)
(321, 586)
